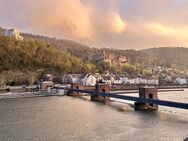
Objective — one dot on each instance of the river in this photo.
(78, 119)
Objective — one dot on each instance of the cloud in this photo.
(116, 23)
(175, 33)
(112, 23)
(60, 18)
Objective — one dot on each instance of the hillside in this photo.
(60, 56)
(141, 59)
(75, 48)
(144, 58)
(176, 55)
(30, 55)
(84, 52)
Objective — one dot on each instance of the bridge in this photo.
(148, 96)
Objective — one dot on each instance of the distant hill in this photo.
(176, 55)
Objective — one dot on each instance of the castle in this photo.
(109, 57)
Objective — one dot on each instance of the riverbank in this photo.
(18, 95)
(11, 95)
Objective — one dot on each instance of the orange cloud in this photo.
(116, 22)
(101, 23)
(165, 30)
(62, 18)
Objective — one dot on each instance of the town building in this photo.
(98, 77)
(73, 78)
(88, 80)
(107, 79)
(124, 79)
(181, 80)
(45, 85)
(116, 80)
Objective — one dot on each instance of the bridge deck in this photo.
(136, 99)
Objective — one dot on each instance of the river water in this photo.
(78, 119)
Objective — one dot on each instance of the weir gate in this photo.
(148, 96)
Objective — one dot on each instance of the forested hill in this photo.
(176, 55)
(166, 56)
(75, 48)
(61, 56)
(33, 55)
(84, 52)
(58, 55)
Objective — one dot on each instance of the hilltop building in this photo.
(181, 80)
(11, 33)
(109, 57)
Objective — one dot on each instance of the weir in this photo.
(148, 96)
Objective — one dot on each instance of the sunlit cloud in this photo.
(117, 24)
(111, 23)
(61, 18)
(165, 30)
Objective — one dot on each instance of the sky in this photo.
(125, 24)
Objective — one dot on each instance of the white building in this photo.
(152, 80)
(107, 79)
(116, 80)
(168, 79)
(144, 80)
(88, 80)
(181, 80)
(73, 78)
(124, 79)
(45, 84)
(138, 80)
(132, 80)
(98, 77)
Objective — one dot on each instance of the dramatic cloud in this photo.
(163, 30)
(60, 18)
(112, 23)
(117, 24)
